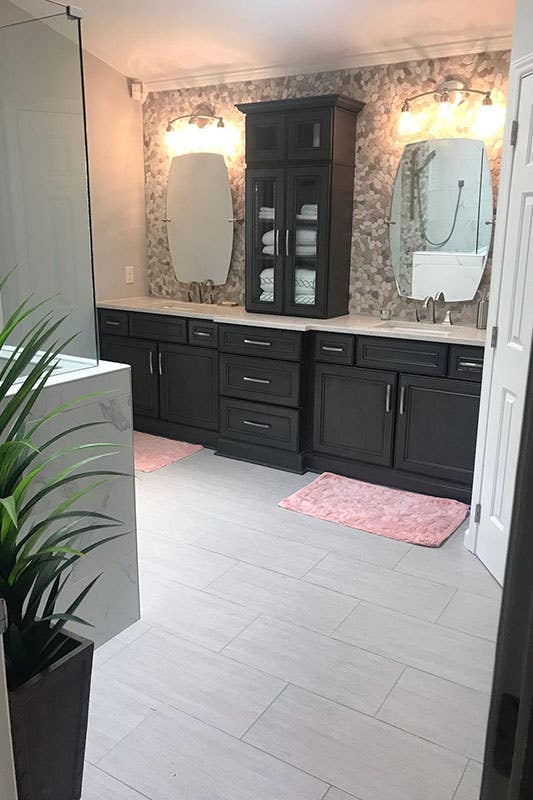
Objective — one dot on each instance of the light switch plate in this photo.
(129, 273)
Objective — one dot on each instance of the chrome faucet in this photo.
(429, 302)
(193, 290)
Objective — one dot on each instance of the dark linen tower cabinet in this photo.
(300, 157)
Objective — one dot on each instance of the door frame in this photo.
(518, 71)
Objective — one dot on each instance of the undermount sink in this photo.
(415, 327)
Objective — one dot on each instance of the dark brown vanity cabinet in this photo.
(174, 385)
(299, 201)
(394, 426)
(392, 411)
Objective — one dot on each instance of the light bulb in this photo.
(489, 120)
(408, 123)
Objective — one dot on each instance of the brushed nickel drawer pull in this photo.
(388, 399)
(265, 381)
(470, 364)
(329, 349)
(287, 242)
(151, 362)
(402, 400)
(160, 362)
(253, 424)
(258, 342)
(202, 333)
(111, 323)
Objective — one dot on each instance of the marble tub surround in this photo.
(362, 324)
(379, 147)
(113, 605)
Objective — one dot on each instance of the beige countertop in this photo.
(351, 323)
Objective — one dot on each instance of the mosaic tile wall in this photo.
(378, 151)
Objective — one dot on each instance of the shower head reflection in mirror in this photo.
(441, 219)
(200, 218)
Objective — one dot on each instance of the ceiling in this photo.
(206, 40)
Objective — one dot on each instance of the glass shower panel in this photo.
(45, 240)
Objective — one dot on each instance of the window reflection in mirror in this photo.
(441, 219)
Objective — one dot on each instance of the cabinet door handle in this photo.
(160, 363)
(258, 342)
(329, 349)
(388, 399)
(111, 323)
(277, 242)
(202, 333)
(257, 380)
(253, 424)
(287, 241)
(151, 362)
(470, 365)
(402, 400)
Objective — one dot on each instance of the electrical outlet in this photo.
(129, 273)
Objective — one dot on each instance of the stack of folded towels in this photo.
(266, 212)
(304, 286)
(305, 242)
(309, 211)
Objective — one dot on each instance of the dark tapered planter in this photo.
(49, 726)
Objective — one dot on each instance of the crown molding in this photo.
(345, 61)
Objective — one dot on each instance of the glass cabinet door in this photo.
(265, 218)
(306, 239)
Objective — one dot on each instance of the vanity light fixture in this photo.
(204, 132)
(449, 95)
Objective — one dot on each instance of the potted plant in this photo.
(48, 669)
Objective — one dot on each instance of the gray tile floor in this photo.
(281, 657)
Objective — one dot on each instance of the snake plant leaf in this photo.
(8, 504)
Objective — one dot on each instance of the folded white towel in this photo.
(304, 281)
(309, 209)
(300, 299)
(306, 250)
(269, 237)
(305, 236)
(268, 250)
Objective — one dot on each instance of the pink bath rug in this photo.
(154, 452)
(406, 516)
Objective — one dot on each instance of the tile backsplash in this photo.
(378, 150)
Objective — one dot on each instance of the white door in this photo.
(7, 774)
(511, 357)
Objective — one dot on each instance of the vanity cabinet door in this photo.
(306, 239)
(354, 413)
(265, 137)
(189, 385)
(142, 358)
(265, 232)
(437, 427)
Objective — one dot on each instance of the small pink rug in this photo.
(406, 516)
(154, 452)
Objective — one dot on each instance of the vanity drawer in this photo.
(260, 424)
(203, 333)
(260, 379)
(403, 355)
(465, 362)
(334, 348)
(112, 322)
(158, 326)
(263, 342)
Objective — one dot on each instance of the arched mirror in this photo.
(441, 219)
(200, 217)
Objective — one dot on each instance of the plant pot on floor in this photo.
(49, 726)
